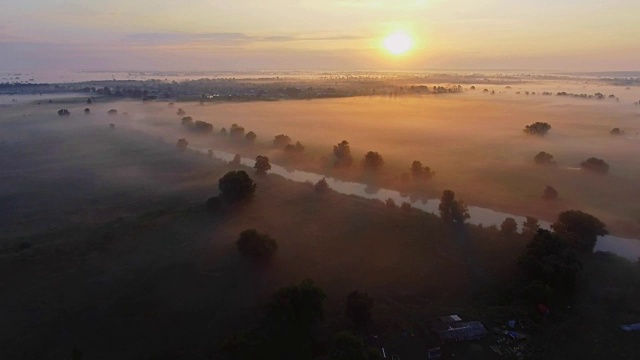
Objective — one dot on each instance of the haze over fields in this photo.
(322, 180)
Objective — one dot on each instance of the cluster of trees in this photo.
(199, 126)
(64, 112)
(551, 263)
(537, 128)
(293, 328)
(420, 172)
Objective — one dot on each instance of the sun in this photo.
(398, 43)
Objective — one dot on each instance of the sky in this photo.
(214, 35)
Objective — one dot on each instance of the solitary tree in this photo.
(223, 132)
(87, 111)
(251, 137)
(581, 230)
(262, 165)
(256, 245)
(342, 153)
(452, 210)
(543, 158)
(321, 186)
(509, 226)
(187, 121)
(537, 128)
(182, 144)
(236, 160)
(595, 165)
(282, 140)
(373, 161)
(616, 131)
(236, 186)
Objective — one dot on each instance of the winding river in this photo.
(626, 248)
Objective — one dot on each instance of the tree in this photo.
(64, 112)
(543, 158)
(223, 132)
(530, 226)
(549, 259)
(262, 165)
(181, 112)
(256, 245)
(321, 186)
(280, 141)
(390, 203)
(358, 309)
(509, 226)
(537, 128)
(298, 148)
(236, 160)
(616, 132)
(405, 206)
(420, 172)
(187, 121)
(581, 230)
(87, 111)
(203, 126)
(298, 307)
(214, 204)
(452, 210)
(251, 137)
(112, 112)
(342, 153)
(182, 144)
(236, 186)
(236, 131)
(373, 161)
(550, 193)
(595, 165)
(346, 346)
(89, 101)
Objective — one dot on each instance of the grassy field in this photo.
(108, 248)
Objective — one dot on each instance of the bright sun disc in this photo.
(398, 43)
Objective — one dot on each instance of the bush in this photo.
(256, 245)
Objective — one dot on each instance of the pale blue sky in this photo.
(331, 34)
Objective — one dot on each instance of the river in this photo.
(623, 247)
